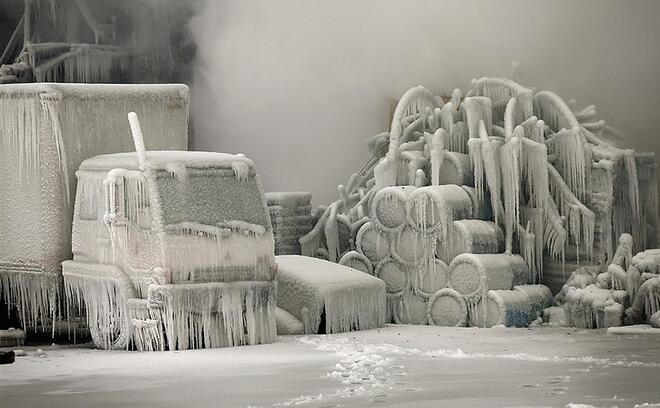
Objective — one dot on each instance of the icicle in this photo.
(456, 97)
(474, 110)
(241, 170)
(535, 171)
(104, 300)
(437, 154)
(215, 314)
(50, 103)
(510, 115)
(20, 129)
(35, 296)
(510, 167)
(581, 220)
(633, 186)
(178, 171)
(572, 159)
(476, 157)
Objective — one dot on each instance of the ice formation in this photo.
(628, 292)
(329, 298)
(46, 131)
(291, 218)
(501, 171)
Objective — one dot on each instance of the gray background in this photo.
(298, 85)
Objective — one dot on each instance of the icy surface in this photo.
(402, 366)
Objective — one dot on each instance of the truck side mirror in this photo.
(113, 187)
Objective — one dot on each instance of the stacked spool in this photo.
(398, 243)
(473, 237)
(290, 216)
(496, 289)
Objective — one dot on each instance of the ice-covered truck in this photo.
(172, 249)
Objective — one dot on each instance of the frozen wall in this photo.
(298, 85)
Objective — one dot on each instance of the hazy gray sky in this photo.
(298, 85)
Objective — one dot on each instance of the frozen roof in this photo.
(98, 91)
(160, 159)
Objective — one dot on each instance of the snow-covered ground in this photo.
(402, 366)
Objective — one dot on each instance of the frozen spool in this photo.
(389, 208)
(394, 275)
(456, 169)
(539, 296)
(472, 275)
(410, 309)
(431, 278)
(371, 243)
(356, 260)
(431, 209)
(411, 247)
(481, 210)
(473, 237)
(510, 308)
(447, 308)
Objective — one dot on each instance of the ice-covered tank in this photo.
(172, 249)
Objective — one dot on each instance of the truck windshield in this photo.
(211, 197)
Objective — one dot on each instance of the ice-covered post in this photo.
(138, 139)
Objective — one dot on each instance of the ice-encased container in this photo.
(46, 131)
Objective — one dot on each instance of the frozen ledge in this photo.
(644, 329)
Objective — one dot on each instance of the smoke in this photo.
(298, 85)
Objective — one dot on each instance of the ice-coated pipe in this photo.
(138, 139)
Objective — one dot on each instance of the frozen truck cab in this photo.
(172, 249)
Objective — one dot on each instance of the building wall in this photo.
(298, 85)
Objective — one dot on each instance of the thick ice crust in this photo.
(348, 299)
(47, 130)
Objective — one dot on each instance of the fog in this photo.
(298, 85)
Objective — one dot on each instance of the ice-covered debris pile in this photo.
(628, 292)
(329, 298)
(12, 337)
(46, 131)
(502, 171)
